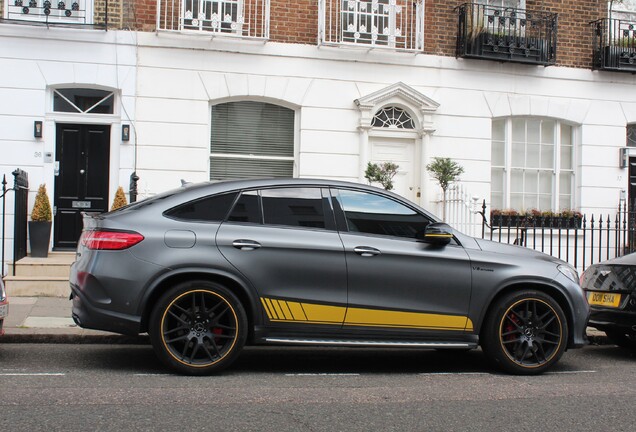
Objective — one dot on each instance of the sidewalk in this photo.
(48, 320)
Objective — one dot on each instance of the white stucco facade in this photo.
(166, 83)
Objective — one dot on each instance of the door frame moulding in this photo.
(53, 118)
(421, 109)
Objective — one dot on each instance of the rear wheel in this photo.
(198, 328)
(525, 333)
(623, 339)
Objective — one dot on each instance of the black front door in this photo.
(81, 182)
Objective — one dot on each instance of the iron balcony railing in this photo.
(506, 34)
(614, 45)
(234, 18)
(54, 12)
(393, 24)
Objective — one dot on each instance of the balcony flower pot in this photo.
(40, 225)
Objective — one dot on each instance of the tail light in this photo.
(110, 240)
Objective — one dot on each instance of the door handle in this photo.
(246, 245)
(366, 251)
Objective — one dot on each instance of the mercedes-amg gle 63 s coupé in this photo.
(209, 268)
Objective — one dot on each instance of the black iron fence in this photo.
(581, 240)
(20, 215)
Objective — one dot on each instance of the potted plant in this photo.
(120, 199)
(445, 171)
(381, 173)
(40, 224)
(505, 218)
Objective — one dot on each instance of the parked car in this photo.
(4, 305)
(611, 293)
(208, 268)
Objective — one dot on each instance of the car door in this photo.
(284, 241)
(396, 282)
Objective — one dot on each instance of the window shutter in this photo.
(251, 139)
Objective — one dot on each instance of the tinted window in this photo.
(298, 207)
(246, 209)
(375, 214)
(210, 209)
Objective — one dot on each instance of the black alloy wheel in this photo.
(525, 333)
(198, 328)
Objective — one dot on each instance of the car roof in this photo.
(193, 191)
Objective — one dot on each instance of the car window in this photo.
(297, 207)
(375, 214)
(210, 209)
(246, 209)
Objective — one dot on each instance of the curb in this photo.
(70, 338)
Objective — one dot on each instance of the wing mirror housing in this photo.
(437, 233)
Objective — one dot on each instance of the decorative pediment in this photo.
(419, 106)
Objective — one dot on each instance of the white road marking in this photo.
(321, 374)
(454, 373)
(33, 374)
(570, 372)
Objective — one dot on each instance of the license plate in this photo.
(4, 311)
(604, 299)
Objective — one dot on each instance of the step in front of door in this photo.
(37, 286)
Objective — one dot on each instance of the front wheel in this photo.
(525, 333)
(198, 328)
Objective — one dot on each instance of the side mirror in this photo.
(437, 233)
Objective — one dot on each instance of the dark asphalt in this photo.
(123, 387)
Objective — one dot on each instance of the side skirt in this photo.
(371, 343)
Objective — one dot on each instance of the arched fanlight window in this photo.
(393, 117)
(631, 135)
(83, 100)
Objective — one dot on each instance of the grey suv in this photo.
(208, 268)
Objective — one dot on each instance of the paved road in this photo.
(119, 387)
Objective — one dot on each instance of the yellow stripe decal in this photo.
(297, 311)
(279, 308)
(323, 313)
(310, 313)
(273, 309)
(269, 314)
(385, 318)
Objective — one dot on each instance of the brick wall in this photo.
(114, 13)
(139, 15)
(294, 22)
(297, 22)
(574, 34)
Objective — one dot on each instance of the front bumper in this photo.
(4, 312)
(606, 319)
(90, 316)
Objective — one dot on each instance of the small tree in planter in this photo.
(120, 199)
(445, 171)
(40, 224)
(381, 173)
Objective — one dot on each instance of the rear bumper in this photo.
(90, 316)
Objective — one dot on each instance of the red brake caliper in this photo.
(218, 332)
